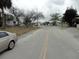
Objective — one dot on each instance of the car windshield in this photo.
(3, 34)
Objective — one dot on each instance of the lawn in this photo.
(19, 30)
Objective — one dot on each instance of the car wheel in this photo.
(11, 45)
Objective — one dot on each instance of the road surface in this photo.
(46, 43)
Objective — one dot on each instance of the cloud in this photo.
(29, 3)
(60, 2)
(46, 6)
(76, 4)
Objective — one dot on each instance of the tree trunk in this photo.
(17, 21)
(3, 19)
(37, 22)
(16, 18)
(0, 20)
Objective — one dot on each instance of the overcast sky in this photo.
(46, 6)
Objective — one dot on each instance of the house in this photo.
(11, 20)
(77, 19)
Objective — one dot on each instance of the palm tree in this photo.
(55, 17)
(38, 15)
(3, 5)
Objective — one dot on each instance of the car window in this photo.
(3, 34)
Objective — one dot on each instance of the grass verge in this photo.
(19, 30)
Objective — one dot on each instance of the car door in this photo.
(4, 38)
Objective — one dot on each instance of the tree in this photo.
(3, 5)
(27, 21)
(29, 17)
(46, 23)
(55, 17)
(69, 15)
(17, 13)
(32, 16)
(37, 16)
(0, 20)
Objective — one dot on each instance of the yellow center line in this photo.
(45, 48)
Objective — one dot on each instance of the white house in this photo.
(12, 22)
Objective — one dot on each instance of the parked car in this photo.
(7, 40)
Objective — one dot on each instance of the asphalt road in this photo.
(46, 43)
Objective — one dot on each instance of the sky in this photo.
(46, 6)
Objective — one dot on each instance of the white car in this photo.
(7, 40)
